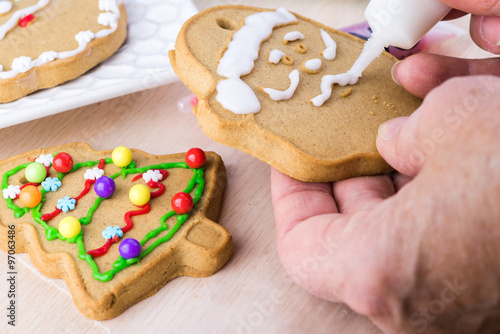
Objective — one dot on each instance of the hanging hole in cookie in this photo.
(287, 60)
(300, 48)
(225, 23)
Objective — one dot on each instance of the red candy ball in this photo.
(196, 158)
(62, 162)
(182, 203)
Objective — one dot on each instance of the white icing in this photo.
(331, 47)
(23, 64)
(326, 86)
(237, 96)
(372, 49)
(313, 64)
(275, 56)
(239, 60)
(5, 6)
(84, 37)
(279, 95)
(48, 56)
(293, 36)
(108, 6)
(14, 19)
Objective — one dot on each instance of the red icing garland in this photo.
(128, 221)
(146, 208)
(86, 189)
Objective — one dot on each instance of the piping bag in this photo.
(400, 23)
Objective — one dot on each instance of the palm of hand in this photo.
(416, 252)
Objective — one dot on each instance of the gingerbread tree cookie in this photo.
(116, 226)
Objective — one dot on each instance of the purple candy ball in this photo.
(129, 248)
(104, 187)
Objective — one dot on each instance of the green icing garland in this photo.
(121, 263)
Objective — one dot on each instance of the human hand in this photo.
(417, 253)
(420, 73)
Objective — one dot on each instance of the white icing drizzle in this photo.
(239, 58)
(5, 6)
(279, 95)
(326, 85)
(292, 36)
(275, 56)
(313, 64)
(14, 19)
(23, 64)
(372, 49)
(331, 47)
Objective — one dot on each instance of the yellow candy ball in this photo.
(121, 156)
(69, 227)
(139, 194)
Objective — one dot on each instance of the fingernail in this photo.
(393, 71)
(490, 29)
(388, 130)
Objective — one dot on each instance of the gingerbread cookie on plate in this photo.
(47, 42)
(115, 225)
(263, 79)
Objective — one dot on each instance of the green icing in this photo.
(120, 264)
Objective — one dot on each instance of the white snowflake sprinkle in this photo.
(11, 191)
(45, 159)
(93, 174)
(151, 174)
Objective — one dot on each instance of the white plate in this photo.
(141, 63)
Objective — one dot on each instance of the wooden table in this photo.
(252, 293)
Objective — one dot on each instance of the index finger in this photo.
(477, 7)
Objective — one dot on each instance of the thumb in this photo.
(396, 143)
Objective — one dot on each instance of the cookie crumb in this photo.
(371, 113)
(375, 99)
(388, 105)
(346, 93)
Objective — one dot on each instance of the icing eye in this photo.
(225, 23)
(311, 65)
(300, 48)
(5, 6)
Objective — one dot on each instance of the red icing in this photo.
(104, 248)
(48, 216)
(86, 189)
(129, 224)
(26, 20)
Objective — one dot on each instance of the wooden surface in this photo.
(252, 293)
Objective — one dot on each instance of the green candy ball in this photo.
(35, 172)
